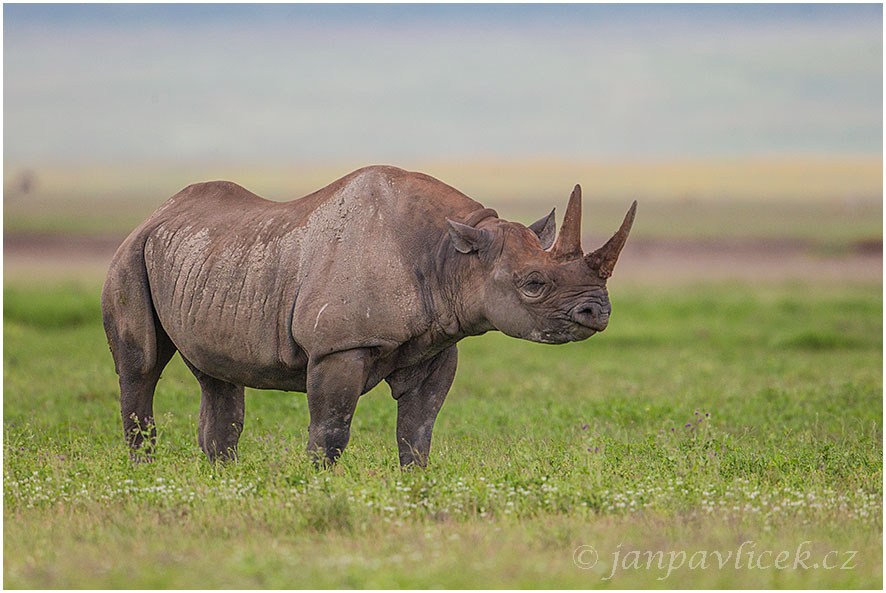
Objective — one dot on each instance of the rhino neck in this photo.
(458, 296)
(469, 305)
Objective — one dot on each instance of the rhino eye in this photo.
(534, 286)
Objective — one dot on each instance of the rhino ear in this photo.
(467, 238)
(546, 230)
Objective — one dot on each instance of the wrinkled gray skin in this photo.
(374, 277)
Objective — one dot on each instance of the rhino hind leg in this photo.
(222, 410)
(334, 385)
(139, 345)
(137, 406)
(420, 391)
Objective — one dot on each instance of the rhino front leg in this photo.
(420, 391)
(334, 384)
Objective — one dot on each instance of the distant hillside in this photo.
(830, 200)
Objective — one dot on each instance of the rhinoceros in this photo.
(374, 277)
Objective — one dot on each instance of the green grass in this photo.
(539, 449)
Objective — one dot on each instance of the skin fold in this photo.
(374, 277)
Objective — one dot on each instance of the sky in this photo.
(383, 83)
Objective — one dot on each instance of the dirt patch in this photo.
(46, 258)
(748, 260)
(871, 246)
(56, 257)
(52, 244)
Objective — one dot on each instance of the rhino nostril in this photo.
(588, 310)
(591, 315)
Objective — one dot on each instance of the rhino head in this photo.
(534, 288)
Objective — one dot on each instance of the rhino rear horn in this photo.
(568, 245)
(545, 229)
(602, 261)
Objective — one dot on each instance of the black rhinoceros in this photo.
(374, 277)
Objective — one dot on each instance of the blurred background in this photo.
(750, 134)
(750, 291)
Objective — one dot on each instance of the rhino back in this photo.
(249, 289)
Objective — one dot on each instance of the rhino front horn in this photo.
(568, 245)
(602, 261)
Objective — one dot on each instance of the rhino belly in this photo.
(224, 307)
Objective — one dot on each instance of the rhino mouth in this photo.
(582, 332)
(576, 332)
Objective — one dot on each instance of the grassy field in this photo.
(707, 421)
(711, 424)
